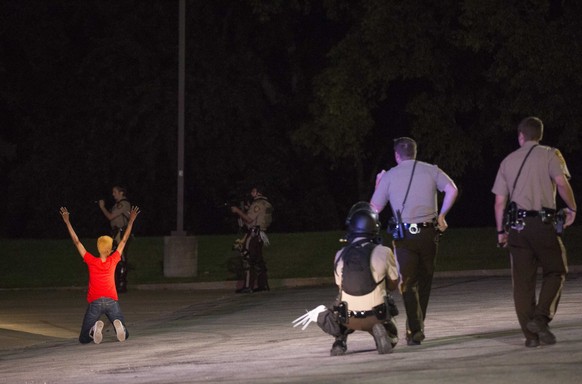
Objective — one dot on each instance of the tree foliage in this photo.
(464, 72)
(304, 97)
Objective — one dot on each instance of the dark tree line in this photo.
(303, 97)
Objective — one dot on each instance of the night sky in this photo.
(303, 98)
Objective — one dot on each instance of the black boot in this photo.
(339, 347)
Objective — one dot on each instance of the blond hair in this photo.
(104, 245)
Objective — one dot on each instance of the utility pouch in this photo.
(328, 322)
(547, 215)
(559, 220)
(510, 217)
(342, 312)
(390, 305)
(396, 227)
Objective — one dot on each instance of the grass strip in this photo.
(27, 263)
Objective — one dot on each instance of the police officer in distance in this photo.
(118, 218)
(411, 188)
(365, 272)
(256, 219)
(529, 177)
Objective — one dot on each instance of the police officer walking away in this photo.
(257, 219)
(118, 218)
(527, 179)
(365, 273)
(411, 188)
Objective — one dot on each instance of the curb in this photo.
(295, 282)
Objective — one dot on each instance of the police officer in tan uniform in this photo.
(529, 177)
(257, 219)
(411, 188)
(118, 218)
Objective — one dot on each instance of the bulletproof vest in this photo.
(357, 278)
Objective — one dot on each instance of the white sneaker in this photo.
(119, 330)
(97, 332)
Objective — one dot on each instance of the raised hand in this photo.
(65, 214)
(133, 213)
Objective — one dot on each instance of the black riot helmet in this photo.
(362, 221)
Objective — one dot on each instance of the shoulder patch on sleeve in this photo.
(560, 157)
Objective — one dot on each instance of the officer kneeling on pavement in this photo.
(365, 273)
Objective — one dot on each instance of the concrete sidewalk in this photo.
(211, 336)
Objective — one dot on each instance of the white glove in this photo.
(310, 316)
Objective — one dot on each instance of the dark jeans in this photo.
(416, 256)
(102, 306)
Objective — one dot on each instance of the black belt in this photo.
(361, 314)
(414, 228)
(378, 311)
(521, 213)
(421, 225)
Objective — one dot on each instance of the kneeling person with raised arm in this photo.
(365, 273)
(102, 294)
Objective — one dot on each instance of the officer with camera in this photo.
(411, 187)
(365, 273)
(256, 220)
(528, 222)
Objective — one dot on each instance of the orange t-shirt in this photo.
(101, 276)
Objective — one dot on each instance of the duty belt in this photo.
(544, 213)
(378, 311)
(361, 314)
(414, 228)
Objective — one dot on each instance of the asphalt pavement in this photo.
(209, 334)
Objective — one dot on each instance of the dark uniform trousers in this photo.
(536, 245)
(256, 268)
(416, 255)
(122, 267)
